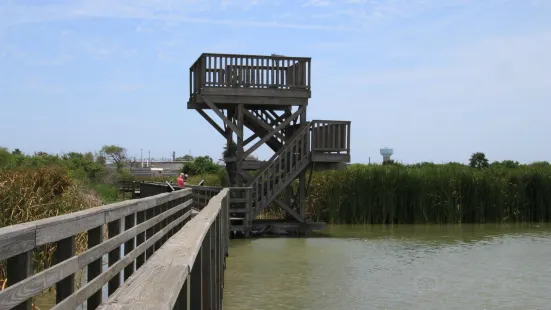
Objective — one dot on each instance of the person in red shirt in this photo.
(181, 180)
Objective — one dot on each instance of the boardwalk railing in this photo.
(141, 225)
(188, 271)
(227, 70)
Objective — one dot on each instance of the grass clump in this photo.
(29, 194)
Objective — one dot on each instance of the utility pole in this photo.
(149, 160)
(141, 156)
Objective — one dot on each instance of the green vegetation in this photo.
(431, 193)
(38, 186)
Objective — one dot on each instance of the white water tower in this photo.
(386, 153)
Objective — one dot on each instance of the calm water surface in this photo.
(400, 267)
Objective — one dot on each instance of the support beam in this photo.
(288, 209)
(211, 121)
(250, 139)
(228, 123)
(239, 151)
(270, 134)
(261, 123)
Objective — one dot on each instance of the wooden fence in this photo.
(141, 226)
(188, 271)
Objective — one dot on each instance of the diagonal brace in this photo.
(212, 122)
(222, 116)
(261, 123)
(271, 133)
(288, 209)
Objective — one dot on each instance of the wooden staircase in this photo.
(283, 168)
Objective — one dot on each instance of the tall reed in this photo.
(430, 194)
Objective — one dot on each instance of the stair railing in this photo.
(281, 165)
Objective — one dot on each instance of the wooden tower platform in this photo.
(269, 96)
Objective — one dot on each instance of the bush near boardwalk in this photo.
(430, 193)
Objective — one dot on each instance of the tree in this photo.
(509, 164)
(114, 154)
(479, 160)
(186, 157)
(200, 165)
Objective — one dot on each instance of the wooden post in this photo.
(183, 301)
(150, 213)
(239, 146)
(302, 176)
(19, 268)
(140, 238)
(217, 252)
(114, 228)
(65, 249)
(129, 222)
(197, 282)
(157, 227)
(212, 273)
(95, 237)
(206, 272)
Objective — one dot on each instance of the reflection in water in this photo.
(400, 267)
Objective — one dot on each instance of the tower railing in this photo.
(331, 136)
(250, 71)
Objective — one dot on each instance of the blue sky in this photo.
(435, 80)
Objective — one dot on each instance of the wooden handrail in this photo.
(147, 223)
(188, 271)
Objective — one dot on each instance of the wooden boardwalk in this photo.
(176, 240)
(171, 259)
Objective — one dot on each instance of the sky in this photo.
(436, 80)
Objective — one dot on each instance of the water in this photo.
(404, 267)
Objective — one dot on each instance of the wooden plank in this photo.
(16, 239)
(57, 230)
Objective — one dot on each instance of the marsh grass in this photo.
(373, 194)
(29, 194)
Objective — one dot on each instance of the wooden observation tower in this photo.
(269, 96)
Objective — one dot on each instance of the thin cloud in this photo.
(167, 11)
